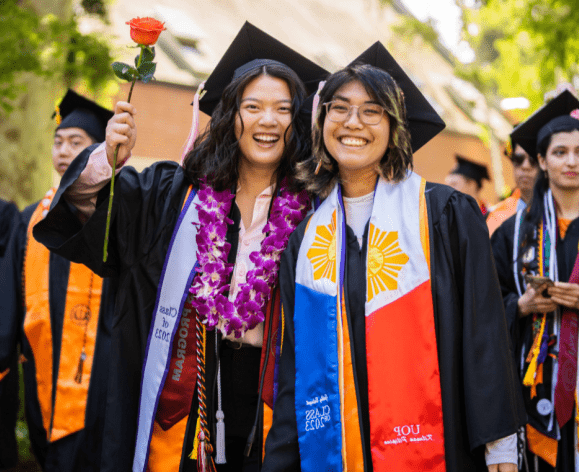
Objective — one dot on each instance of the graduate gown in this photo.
(480, 397)
(521, 329)
(9, 218)
(80, 450)
(145, 210)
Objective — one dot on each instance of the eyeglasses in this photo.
(368, 113)
(518, 159)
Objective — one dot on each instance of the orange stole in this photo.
(503, 211)
(166, 447)
(352, 453)
(80, 319)
(542, 446)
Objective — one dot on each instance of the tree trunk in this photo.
(26, 135)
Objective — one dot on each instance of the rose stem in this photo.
(112, 191)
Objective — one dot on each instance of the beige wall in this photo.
(436, 159)
(164, 120)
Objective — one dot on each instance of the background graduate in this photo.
(525, 173)
(467, 177)
(169, 223)
(60, 315)
(396, 354)
(543, 241)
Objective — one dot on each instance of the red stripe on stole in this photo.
(406, 425)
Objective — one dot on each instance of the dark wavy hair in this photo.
(536, 208)
(216, 152)
(386, 92)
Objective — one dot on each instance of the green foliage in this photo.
(124, 71)
(144, 69)
(523, 47)
(411, 27)
(46, 46)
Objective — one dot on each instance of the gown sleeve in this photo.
(493, 406)
(142, 210)
(502, 244)
(281, 447)
(11, 296)
(13, 237)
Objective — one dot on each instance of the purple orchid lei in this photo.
(248, 308)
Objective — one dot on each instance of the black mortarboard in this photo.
(250, 49)
(423, 121)
(544, 122)
(470, 169)
(80, 112)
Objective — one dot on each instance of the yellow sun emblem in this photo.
(322, 254)
(385, 261)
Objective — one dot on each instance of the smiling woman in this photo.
(382, 289)
(198, 248)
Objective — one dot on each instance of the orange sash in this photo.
(503, 211)
(67, 414)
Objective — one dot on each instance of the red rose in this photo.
(145, 31)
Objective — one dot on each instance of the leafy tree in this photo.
(42, 52)
(523, 47)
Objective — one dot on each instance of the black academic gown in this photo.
(80, 450)
(9, 401)
(480, 397)
(145, 210)
(521, 329)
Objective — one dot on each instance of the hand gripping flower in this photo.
(144, 32)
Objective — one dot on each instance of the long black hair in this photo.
(216, 153)
(385, 91)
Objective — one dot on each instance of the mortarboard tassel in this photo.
(317, 102)
(57, 116)
(194, 132)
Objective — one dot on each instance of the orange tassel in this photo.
(538, 380)
(57, 116)
(204, 455)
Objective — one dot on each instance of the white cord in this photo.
(220, 427)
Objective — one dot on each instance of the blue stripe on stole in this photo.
(317, 394)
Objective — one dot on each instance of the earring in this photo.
(318, 167)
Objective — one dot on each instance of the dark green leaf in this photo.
(148, 54)
(124, 71)
(146, 71)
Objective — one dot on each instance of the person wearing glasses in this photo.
(396, 353)
(525, 172)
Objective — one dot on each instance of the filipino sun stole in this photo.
(406, 426)
(81, 315)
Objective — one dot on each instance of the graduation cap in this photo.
(470, 169)
(544, 122)
(423, 121)
(80, 112)
(252, 48)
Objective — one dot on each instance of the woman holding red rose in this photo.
(196, 248)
